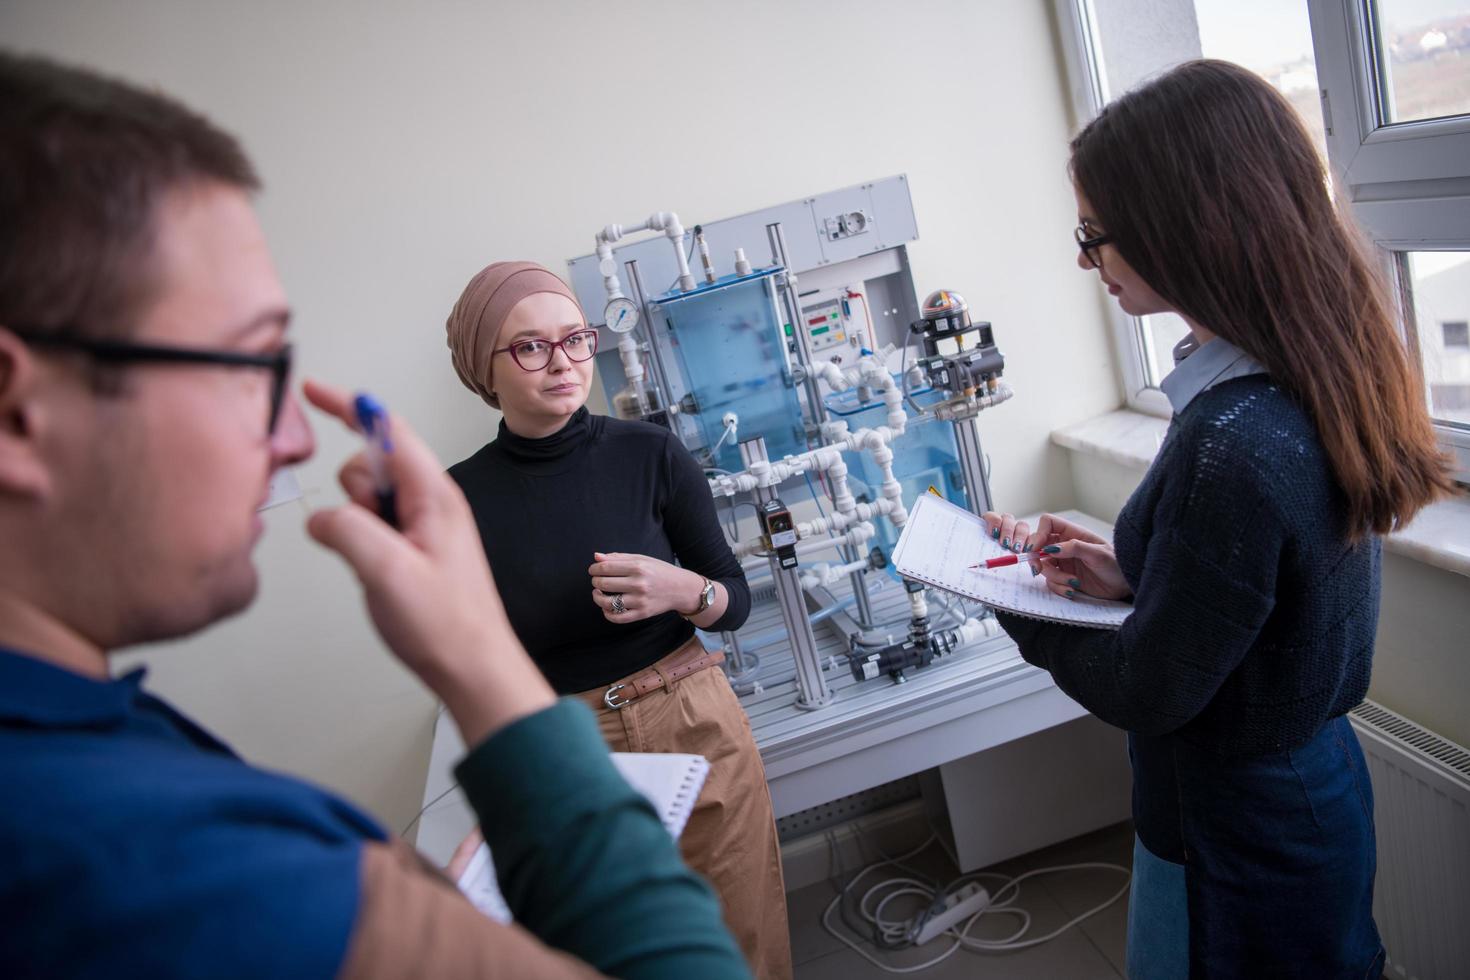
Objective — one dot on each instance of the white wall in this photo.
(1421, 669)
(405, 145)
(1143, 38)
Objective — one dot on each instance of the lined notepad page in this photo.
(939, 543)
(670, 781)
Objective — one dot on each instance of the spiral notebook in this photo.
(671, 782)
(939, 543)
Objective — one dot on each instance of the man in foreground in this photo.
(144, 405)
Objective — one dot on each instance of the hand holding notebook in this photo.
(939, 544)
(670, 781)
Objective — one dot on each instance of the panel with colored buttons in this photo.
(825, 325)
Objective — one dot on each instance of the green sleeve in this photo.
(583, 861)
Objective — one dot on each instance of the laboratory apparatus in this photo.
(797, 364)
(819, 394)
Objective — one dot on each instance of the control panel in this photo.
(825, 326)
(836, 328)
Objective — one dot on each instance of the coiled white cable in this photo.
(896, 933)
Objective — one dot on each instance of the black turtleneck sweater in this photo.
(543, 506)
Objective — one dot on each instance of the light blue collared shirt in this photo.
(1199, 367)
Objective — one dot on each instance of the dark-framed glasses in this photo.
(1091, 244)
(277, 362)
(535, 354)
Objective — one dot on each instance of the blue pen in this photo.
(372, 418)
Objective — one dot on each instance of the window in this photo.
(1439, 284)
(1395, 80)
(1420, 73)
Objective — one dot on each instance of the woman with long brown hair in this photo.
(1251, 548)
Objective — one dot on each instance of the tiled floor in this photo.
(1092, 949)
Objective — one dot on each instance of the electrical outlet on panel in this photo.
(953, 909)
(847, 224)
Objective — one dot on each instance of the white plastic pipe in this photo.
(663, 221)
(840, 521)
(828, 459)
(666, 222)
(633, 369)
(825, 574)
(918, 605)
(858, 534)
(831, 373)
(973, 629)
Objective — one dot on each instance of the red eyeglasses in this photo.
(535, 354)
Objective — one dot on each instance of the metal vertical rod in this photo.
(793, 312)
(811, 686)
(972, 466)
(859, 580)
(737, 656)
(660, 373)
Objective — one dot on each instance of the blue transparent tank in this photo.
(731, 347)
(924, 456)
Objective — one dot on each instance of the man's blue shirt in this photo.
(134, 843)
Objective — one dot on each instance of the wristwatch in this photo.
(706, 599)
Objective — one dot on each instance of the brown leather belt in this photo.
(690, 658)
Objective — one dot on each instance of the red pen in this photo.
(1002, 561)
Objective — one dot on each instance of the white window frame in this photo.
(1369, 154)
(1409, 183)
(1082, 53)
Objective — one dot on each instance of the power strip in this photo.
(957, 907)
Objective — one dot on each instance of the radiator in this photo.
(1421, 900)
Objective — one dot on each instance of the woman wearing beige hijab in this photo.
(605, 544)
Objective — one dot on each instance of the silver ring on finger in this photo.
(617, 603)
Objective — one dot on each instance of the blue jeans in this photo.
(1158, 918)
(1277, 853)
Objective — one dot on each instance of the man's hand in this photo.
(460, 860)
(428, 588)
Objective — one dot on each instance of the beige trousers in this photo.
(731, 835)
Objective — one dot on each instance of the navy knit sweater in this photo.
(1254, 619)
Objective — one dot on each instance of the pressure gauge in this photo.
(620, 315)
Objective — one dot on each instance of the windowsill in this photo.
(1439, 536)
(1125, 437)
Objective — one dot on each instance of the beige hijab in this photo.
(474, 323)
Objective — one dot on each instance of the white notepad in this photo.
(940, 542)
(671, 782)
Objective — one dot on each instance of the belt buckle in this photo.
(610, 698)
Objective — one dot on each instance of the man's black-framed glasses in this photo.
(277, 362)
(1090, 244)
(535, 354)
